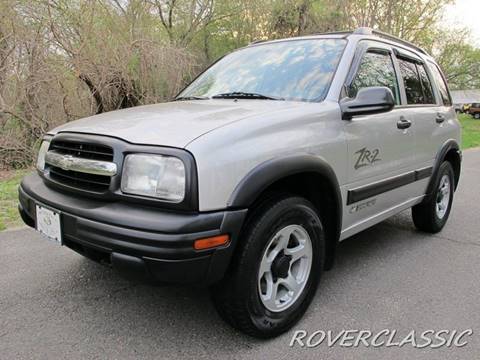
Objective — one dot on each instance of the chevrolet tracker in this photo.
(248, 180)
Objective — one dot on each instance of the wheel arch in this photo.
(450, 151)
(305, 175)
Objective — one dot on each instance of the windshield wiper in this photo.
(245, 95)
(191, 98)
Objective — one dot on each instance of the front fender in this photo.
(267, 173)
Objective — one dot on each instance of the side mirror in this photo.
(369, 101)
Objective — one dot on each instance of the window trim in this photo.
(403, 55)
(377, 47)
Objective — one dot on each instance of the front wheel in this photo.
(476, 115)
(431, 216)
(276, 270)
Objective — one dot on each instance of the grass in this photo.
(10, 180)
(471, 131)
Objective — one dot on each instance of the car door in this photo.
(442, 125)
(421, 106)
(381, 147)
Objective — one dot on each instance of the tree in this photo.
(458, 58)
(65, 59)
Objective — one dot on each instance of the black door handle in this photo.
(403, 124)
(440, 118)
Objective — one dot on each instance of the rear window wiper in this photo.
(191, 98)
(245, 95)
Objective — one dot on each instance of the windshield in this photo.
(298, 70)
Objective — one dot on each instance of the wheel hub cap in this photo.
(285, 268)
(281, 265)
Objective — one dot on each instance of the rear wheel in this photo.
(275, 274)
(431, 216)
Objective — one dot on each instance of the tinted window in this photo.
(411, 81)
(294, 70)
(376, 69)
(442, 85)
(428, 97)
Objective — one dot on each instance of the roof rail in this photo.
(257, 42)
(344, 32)
(341, 32)
(365, 31)
(384, 35)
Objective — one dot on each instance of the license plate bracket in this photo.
(49, 223)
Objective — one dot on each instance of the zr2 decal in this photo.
(366, 157)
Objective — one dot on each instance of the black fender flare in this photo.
(441, 155)
(262, 176)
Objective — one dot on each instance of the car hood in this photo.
(173, 124)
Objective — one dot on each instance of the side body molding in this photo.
(267, 173)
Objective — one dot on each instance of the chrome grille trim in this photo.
(88, 166)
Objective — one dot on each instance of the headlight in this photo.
(155, 176)
(41, 154)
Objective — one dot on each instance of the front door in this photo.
(381, 148)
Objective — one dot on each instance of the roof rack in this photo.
(345, 32)
(366, 31)
(341, 32)
(369, 31)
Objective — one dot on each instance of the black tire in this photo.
(476, 115)
(237, 298)
(425, 216)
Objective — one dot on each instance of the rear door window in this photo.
(428, 97)
(412, 82)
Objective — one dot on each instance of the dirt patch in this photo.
(6, 174)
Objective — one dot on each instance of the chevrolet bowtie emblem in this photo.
(66, 162)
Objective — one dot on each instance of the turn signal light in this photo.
(211, 242)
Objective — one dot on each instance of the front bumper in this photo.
(141, 242)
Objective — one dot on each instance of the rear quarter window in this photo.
(441, 84)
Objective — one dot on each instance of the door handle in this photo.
(403, 124)
(440, 118)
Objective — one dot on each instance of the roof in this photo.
(383, 35)
(362, 31)
(465, 96)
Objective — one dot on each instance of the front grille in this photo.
(80, 180)
(87, 151)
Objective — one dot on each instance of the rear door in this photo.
(445, 125)
(422, 107)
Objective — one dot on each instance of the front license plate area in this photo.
(48, 224)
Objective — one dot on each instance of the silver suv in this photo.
(250, 178)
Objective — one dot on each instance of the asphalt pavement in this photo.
(54, 304)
